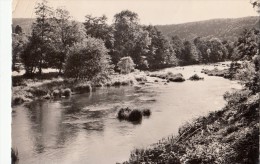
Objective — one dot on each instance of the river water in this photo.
(84, 128)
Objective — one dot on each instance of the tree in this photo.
(189, 54)
(98, 28)
(88, 59)
(160, 52)
(18, 29)
(130, 38)
(40, 39)
(247, 45)
(31, 54)
(202, 48)
(18, 43)
(126, 65)
(65, 33)
(177, 45)
(218, 51)
(248, 50)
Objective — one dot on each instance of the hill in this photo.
(25, 23)
(221, 28)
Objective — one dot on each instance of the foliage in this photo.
(247, 45)
(98, 28)
(195, 77)
(188, 54)
(202, 46)
(39, 45)
(217, 51)
(247, 48)
(226, 136)
(126, 65)
(64, 34)
(130, 38)
(18, 43)
(88, 59)
(132, 115)
(160, 52)
(18, 30)
(247, 75)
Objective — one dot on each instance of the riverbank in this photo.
(230, 135)
(226, 136)
(84, 118)
(49, 85)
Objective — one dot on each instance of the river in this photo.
(84, 128)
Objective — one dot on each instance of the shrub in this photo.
(126, 65)
(56, 93)
(123, 113)
(88, 59)
(67, 92)
(135, 116)
(195, 77)
(132, 115)
(146, 112)
(237, 96)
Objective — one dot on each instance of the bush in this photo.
(56, 93)
(132, 115)
(135, 116)
(88, 59)
(195, 77)
(248, 75)
(146, 112)
(126, 65)
(67, 92)
(237, 96)
(123, 113)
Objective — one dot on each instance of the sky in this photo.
(150, 11)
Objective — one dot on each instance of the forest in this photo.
(94, 48)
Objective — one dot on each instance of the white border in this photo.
(5, 81)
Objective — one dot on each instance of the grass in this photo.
(230, 135)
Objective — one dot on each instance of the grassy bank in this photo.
(226, 136)
(49, 85)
